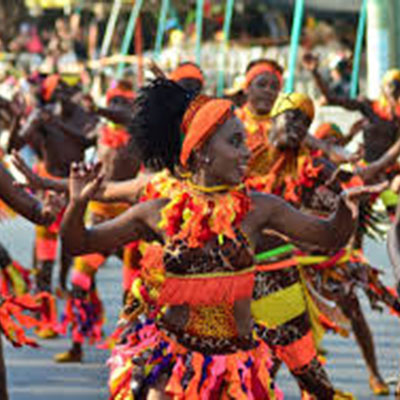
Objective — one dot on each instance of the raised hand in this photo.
(352, 195)
(84, 181)
(33, 181)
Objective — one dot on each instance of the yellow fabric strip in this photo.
(389, 198)
(313, 312)
(82, 266)
(42, 232)
(309, 260)
(279, 307)
(211, 275)
(110, 210)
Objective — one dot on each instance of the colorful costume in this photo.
(206, 357)
(46, 242)
(285, 314)
(257, 128)
(84, 310)
(203, 271)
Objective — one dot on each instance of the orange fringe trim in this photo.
(206, 290)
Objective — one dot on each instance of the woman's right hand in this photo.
(84, 181)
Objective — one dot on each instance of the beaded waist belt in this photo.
(209, 345)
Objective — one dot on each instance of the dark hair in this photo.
(156, 123)
(191, 85)
(275, 64)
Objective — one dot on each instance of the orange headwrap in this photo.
(49, 85)
(119, 92)
(201, 119)
(187, 71)
(261, 68)
(327, 130)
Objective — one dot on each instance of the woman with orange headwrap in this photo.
(201, 343)
(189, 76)
(263, 82)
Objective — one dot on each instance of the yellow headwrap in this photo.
(71, 79)
(294, 101)
(390, 76)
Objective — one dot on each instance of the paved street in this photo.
(33, 376)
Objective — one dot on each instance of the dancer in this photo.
(58, 139)
(380, 123)
(190, 76)
(38, 213)
(83, 310)
(263, 82)
(204, 335)
(304, 179)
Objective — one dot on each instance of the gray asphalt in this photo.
(33, 376)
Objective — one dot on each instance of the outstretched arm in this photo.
(337, 154)
(118, 116)
(311, 63)
(73, 132)
(20, 136)
(33, 180)
(355, 129)
(325, 234)
(273, 213)
(125, 191)
(138, 222)
(22, 202)
(110, 191)
(369, 172)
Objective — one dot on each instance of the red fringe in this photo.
(13, 321)
(206, 290)
(7, 287)
(48, 310)
(85, 317)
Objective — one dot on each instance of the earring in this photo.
(207, 160)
